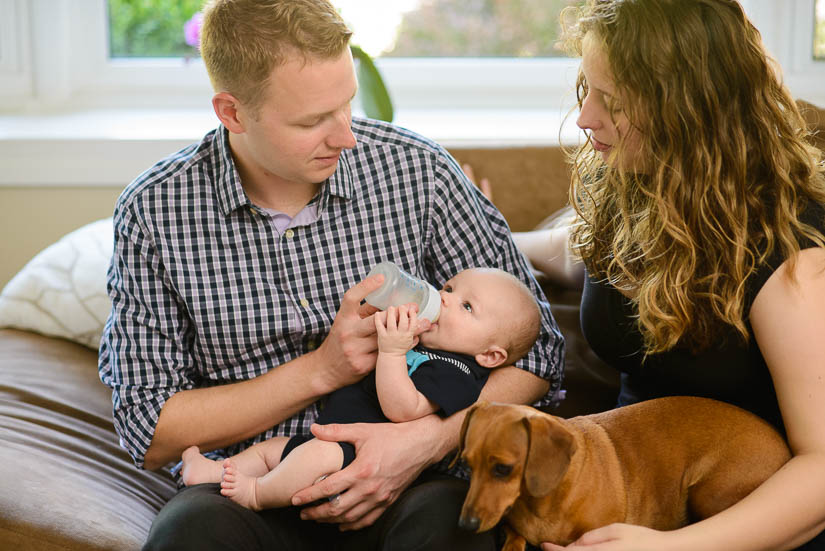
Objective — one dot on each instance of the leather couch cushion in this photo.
(66, 483)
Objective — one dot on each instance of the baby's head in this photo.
(488, 314)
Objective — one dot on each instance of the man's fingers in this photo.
(339, 432)
(363, 520)
(366, 310)
(358, 292)
(329, 487)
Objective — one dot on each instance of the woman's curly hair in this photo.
(729, 166)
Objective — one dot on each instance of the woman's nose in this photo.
(589, 116)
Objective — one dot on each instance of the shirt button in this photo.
(289, 234)
(304, 302)
(252, 210)
(311, 345)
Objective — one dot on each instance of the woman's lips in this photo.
(599, 146)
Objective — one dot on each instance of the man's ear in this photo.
(494, 356)
(229, 111)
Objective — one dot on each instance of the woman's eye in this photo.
(467, 306)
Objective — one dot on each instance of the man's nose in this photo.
(342, 137)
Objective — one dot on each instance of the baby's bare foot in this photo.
(198, 469)
(238, 487)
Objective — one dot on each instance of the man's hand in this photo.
(388, 457)
(350, 350)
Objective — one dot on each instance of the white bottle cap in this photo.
(432, 307)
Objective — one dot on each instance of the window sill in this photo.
(111, 147)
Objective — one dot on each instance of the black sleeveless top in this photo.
(730, 370)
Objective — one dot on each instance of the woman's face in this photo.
(601, 111)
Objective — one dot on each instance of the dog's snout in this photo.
(469, 522)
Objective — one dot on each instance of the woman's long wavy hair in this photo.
(728, 166)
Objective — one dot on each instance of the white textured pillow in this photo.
(61, 292)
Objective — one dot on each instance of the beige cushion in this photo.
(61, 292)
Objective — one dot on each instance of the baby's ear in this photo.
(494, 356)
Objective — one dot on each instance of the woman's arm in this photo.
(548, 251)
(788, 319)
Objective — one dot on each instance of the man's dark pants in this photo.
(425, 517)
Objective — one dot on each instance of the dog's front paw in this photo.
(514, 540)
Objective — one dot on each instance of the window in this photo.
(135, 30)
(402, 28)
(56, 54)
(426, 64)
(456, 28)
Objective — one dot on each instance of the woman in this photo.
(699, 241)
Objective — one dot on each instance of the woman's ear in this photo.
(492, 357)
(229, 109)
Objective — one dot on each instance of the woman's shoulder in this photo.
(813, 216)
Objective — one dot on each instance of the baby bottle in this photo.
(401, 288)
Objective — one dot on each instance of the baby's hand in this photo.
(396, 330)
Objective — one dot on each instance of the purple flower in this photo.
(192, 30)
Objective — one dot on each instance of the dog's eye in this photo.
(502, 471)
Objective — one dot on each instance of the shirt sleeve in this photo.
(466, 230)
(447, 386)
(144, 354)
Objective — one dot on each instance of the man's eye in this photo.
(502, 471)
(467, 306)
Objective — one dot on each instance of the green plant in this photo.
(375, 100)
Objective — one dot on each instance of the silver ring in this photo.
(336, 499)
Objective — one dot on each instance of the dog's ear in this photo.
(464, 425)
(551, 446)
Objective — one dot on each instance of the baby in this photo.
(488, 318)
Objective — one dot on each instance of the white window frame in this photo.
(53, 54)
(68, 66)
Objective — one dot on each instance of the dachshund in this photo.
(661, 463)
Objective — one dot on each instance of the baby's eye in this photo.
(467, 306)
(448, 288)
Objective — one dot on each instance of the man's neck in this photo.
(289, 199)
(271, 191)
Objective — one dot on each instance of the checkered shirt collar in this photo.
(232, 196)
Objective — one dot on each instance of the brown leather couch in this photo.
(66, 484)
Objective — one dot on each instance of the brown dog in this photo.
(662, 464)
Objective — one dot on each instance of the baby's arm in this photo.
(400, 400)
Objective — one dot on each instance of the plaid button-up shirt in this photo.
(208, 288)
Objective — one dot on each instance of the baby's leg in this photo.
(256, 460)
(300, 469)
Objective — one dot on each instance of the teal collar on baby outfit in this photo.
(414, 359)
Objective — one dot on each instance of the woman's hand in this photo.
(483, 184)
(388, 457)
(619, 537)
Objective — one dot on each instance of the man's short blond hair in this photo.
(242, 41)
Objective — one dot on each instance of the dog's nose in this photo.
(469, 523)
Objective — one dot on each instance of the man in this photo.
(236, 286)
